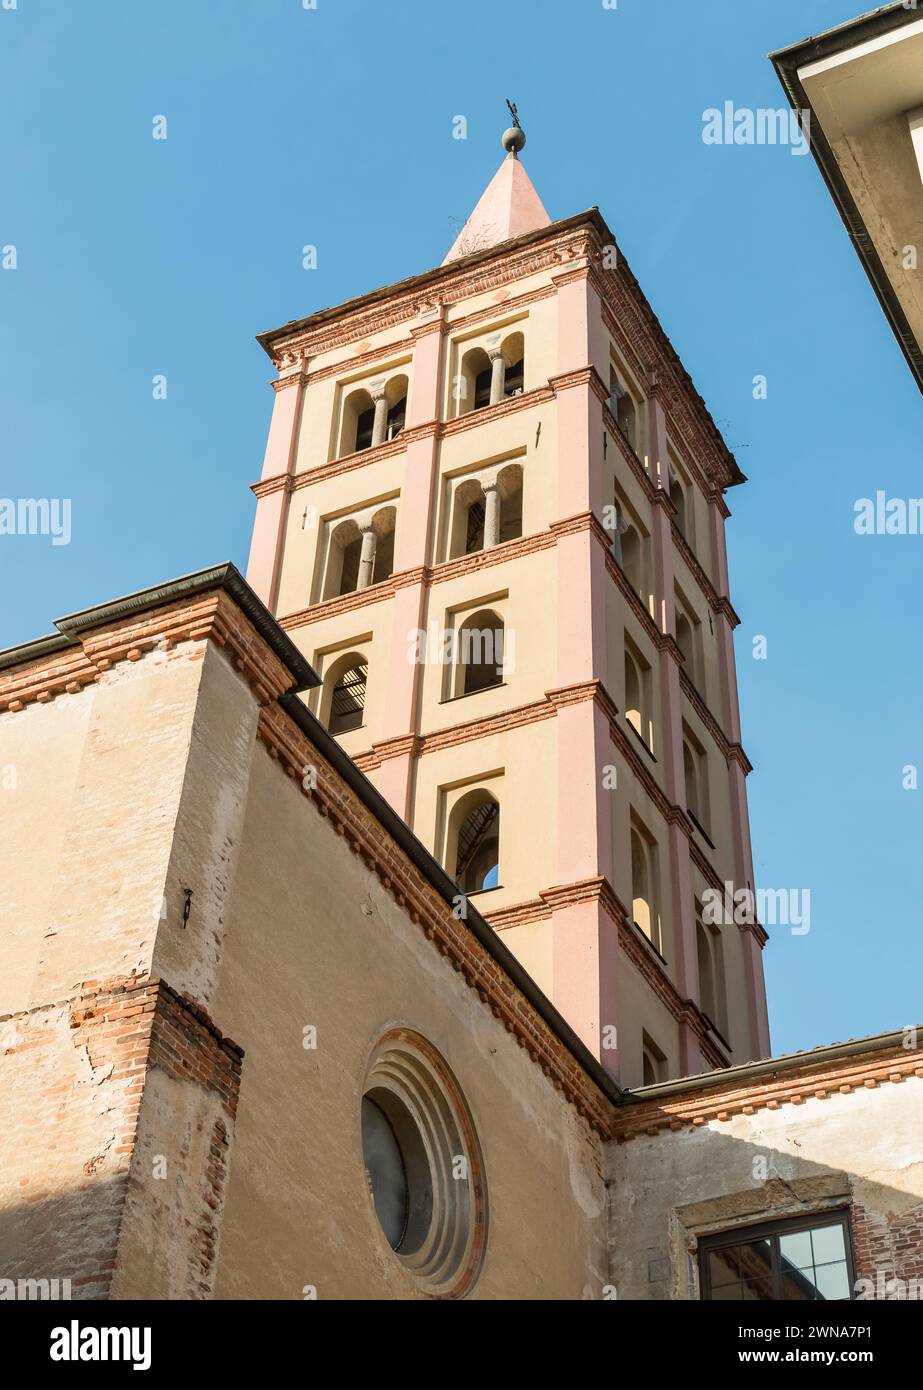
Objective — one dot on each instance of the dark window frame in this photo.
(791, 1225)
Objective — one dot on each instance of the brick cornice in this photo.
(363, 319)
(500, 309)
(210, 616)
(512, 405)
(343, 603)
(282, 482)
(795, 1080)
(282, 383)
(379, 358)
(426, 909)
(581, 376)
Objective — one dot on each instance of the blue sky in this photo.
(333, 126)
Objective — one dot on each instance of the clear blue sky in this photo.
(333, 126)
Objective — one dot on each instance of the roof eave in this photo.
(787, 63)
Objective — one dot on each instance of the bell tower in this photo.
(492, 517)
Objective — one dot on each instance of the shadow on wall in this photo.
(62, 1246)
(695, 1183)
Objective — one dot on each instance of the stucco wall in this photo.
(859, 1150)
(314, 940)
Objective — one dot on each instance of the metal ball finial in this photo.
(513, 139)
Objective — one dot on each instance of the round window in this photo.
(423, 1165)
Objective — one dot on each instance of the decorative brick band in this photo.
(503, 308)
(211, 615)
(360, 318)
(793, 1081)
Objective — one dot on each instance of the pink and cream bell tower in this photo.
(492, 516)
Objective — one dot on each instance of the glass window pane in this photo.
(798, 1285)
(384, 1165)
(805, 1265)
(727, 1293)
(829, 1245)
(833, 1281)
(757, 1290)
(795, 1250)
(722, 1270)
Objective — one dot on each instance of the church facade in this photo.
(356, 941)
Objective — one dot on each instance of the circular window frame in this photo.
(443, 1247)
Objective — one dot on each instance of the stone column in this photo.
(491, 514)
(497, 376)
(367, 556)
(380, 423)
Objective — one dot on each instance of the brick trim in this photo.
(212, 615)
(795, 1080)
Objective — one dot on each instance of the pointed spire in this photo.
(509, 205)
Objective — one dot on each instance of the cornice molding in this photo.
(212, 616)
(404, 305)
(795, 1080)
(539, 395)
(282, 482)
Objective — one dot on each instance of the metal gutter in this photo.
(709, 1080)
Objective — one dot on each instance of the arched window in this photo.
(358, 422)
(396, 396)
(486, 377)
(471, 387)
(360, 554)
(343, 703)
(692, 781)
(643, 905)
(678, 498)
(695, 768)
(475, 842)
(631, 558)
(468, 514)
(638, 694)
(344, 551)
(479, 656)
(707, 999)
(509, 482)
(653, 1062)
(633, 701)
(372, 414)
(710, 957)
(622, 405)
(685, 640)
(383, 524)
(514, 363)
